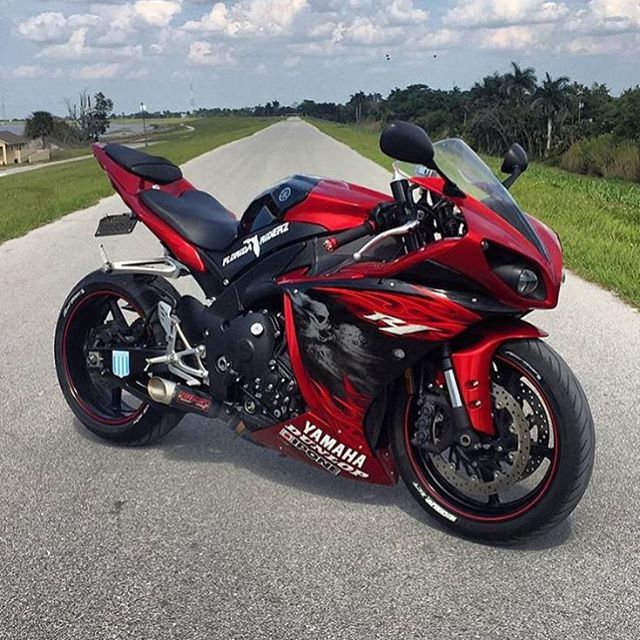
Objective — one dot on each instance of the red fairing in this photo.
(336, 205)
(331, 434)
(432, 316)
(428, 315)
(129, 187)
(466, 255)
(472, 367)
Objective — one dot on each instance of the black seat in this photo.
(196, 216)
(152, 168)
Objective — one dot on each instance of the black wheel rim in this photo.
(540, 469)
(101, 396)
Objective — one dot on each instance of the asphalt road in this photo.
(207, 536)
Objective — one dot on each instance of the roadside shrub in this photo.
(626, 163)
(603, 156)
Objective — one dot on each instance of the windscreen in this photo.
(456, 160)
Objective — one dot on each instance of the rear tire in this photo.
(567, 479)
(137, 426)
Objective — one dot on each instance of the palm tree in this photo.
(552, 98)
(488, 91)
(520, 82)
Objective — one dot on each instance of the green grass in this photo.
(29, 200)
(70, 152)
(598, 220)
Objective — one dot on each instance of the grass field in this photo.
(598, 220)
(29, 200)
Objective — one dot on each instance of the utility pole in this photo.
(193, 97)
(580, 105)
(3, 105)
(143, 111)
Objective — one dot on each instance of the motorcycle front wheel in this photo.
(528, 477)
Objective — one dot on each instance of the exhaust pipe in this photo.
(182, 398)
(162, 391)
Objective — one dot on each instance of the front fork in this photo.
(464, 433)
(467, 374)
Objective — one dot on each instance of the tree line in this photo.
(87, 119)
(546, 114)
(583, 128)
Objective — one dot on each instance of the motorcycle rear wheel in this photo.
(99, 405)
(561, 446)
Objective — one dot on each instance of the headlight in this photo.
(522, 280)
(527, 282)
(515, 271)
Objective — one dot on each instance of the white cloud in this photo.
(204, 53)
(28, 71)
(607, 16)
(158, 13)
(367, 31)
(249, 17)
(362, 24)
(107, 25)
(100, 71)
(502, 13)
(608, 44)
(517, 38)
(441, 39)
(45, 27)
(52, 26)
(76, 48)
(256, 34)
(403, 12)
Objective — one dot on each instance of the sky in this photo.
(246, 52)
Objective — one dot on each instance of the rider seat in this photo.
(196, 216)
(151, 168)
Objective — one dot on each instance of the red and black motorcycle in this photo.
(373, 336)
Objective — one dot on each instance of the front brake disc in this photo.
(510, 472)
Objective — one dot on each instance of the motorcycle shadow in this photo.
(198, 440)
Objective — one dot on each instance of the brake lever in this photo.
(402, 230)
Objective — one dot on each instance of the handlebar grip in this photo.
(345, 237)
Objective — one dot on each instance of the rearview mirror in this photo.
(515, 164)
(407, 142)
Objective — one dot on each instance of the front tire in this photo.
(92, 304)
(568, 442)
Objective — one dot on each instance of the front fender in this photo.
(472, 366)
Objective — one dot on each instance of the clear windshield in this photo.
(455, 159)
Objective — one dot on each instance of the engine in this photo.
(248, 363)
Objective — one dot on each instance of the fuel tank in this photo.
(333, 204)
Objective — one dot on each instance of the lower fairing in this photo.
(344, 357)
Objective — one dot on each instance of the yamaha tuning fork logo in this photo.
(285, 194)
